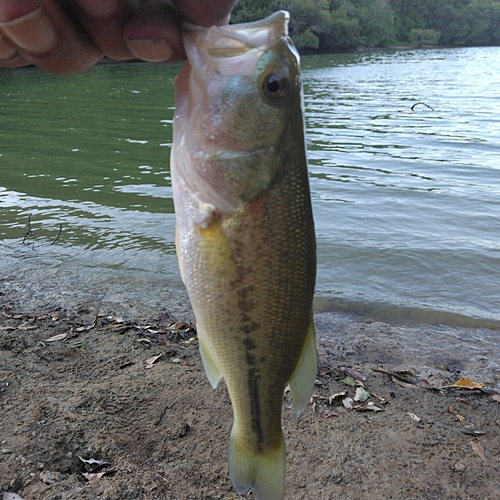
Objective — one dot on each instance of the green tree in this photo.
(338, 32)
(424, 37)
(483, 20)
(251, 10)
(333, 25)
(375, 19)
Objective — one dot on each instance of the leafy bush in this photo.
(424, 37)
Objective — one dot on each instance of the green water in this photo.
(406, 201)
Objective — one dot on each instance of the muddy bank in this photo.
(81, 377)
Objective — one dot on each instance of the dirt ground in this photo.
(87, 383)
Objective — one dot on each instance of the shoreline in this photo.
(403, 336)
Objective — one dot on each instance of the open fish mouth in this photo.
(232, 40)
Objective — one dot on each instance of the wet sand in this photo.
(79, 378)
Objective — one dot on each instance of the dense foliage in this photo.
(332, 25)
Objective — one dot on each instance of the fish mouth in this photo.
(237, 39)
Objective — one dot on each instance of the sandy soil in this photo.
(83, 382)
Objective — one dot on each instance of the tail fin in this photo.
(263, 472)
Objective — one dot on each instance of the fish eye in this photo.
(275, 87)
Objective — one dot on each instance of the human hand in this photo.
(68, 36)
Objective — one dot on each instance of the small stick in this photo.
(29, 232)
(423, 103)
(58, 234)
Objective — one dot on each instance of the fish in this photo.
(245, 236)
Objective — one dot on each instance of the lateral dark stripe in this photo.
(253, 387)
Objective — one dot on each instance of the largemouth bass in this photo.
(245, 234)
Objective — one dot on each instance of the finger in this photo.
(7, 50)
(153, 34)
(46, 37)
(104, 20)
(9, 57)
(206, 12)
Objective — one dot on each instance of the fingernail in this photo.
(99, 8)
(32, 32)
(6, 48)
(151, 50)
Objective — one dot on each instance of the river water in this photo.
(404, 153)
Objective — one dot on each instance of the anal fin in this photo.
(302, 380)
(210, 363)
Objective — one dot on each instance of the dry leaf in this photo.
(414, 417)
(361, 395)
(401, 383)
(93, 462)
(464, 383)
(94, 323)
(469, 429)
(7, 328)
(7, 495)
(55, 338)
(464, 402)
(326, 413)
(496, 397)
(189, 341)
(425, 384)
(407, 376)
(313, 396)
(348, 403)
(335, 396)
(380, 398)
(369, 407)
(353, 373)
(92, 476)
(147, 341)
(349, 381)
(26, 326)
(150, 361)
(461, 418)
(478, 449)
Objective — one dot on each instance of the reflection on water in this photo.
(405, 195)
(410, 191)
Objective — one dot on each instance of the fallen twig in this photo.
(29, 232)
(58, 234)
(423, 104)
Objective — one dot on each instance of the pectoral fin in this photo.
(216, 247)
(302, 380)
